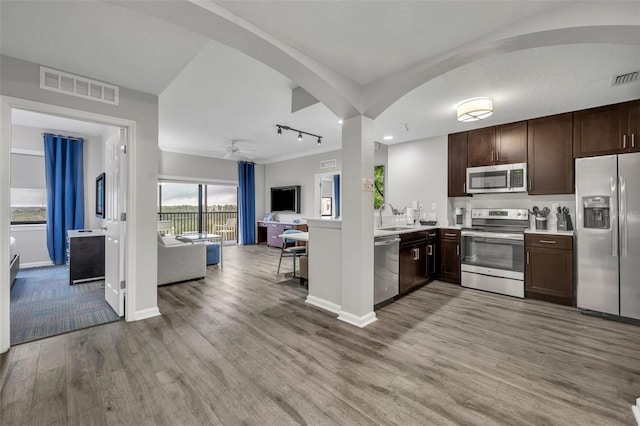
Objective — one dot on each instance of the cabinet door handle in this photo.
(458, 249)
(464, 187)
(492, 155)
(624, 141)
(497, 156)
(633, 140)
(430, 250)
(528, 258)
(416, 254)
(449, 235)
(547, 241)
(530, 184)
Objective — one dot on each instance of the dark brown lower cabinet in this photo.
(450, 255)
(549, 268)
(413, 261)
(432, 255)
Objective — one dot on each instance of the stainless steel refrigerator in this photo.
(608, 234)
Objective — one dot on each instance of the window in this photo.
(378, 181)
(196, 207)
(28, 189)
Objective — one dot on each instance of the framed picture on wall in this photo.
(325, 206)
(100, 196)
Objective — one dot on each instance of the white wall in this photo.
(299, 171)
(20, 79)
(32, 239)
(417, 171)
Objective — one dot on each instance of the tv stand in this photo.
(268, 231)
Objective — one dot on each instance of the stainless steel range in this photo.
(493, 251)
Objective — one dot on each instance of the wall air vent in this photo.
(629, 77)
(74, 85)
(327, 164)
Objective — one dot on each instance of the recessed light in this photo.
(340, 121)
(387, 138)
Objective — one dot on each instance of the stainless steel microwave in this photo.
(501, 178)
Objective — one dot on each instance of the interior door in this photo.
(115, 201)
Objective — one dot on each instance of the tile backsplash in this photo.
(512, 201)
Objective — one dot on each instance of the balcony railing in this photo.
(185, 222)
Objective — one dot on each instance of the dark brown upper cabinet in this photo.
(511, 143)
(457, 165)
(504, 144)
(550, 159)
(610, 129)
(634, 126)
(481, 147)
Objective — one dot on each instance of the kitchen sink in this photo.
(396, 228)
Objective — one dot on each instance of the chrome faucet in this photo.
(380, 212)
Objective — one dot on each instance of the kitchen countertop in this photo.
(548, 232)
(405, 229)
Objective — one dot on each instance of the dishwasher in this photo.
(386, 268)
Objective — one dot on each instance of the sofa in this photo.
(179, 261)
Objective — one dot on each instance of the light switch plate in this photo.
(433, 207)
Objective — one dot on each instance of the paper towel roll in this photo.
(410, 217)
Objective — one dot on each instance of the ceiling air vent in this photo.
(74, 85)
(327, 164)
(617, 80)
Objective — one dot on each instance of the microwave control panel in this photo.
(517, 178)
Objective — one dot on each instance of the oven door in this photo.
(493, 254)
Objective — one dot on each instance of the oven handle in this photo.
(493, 235)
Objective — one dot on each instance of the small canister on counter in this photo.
(541, 222)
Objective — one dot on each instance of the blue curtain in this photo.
(65, 192)
(336, 193)
(247, 203)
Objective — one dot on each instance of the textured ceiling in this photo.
(210, 94)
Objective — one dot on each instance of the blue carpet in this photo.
(44, 304)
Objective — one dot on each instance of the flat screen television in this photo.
(285, 199)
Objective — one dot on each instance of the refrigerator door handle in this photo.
(622, 214)
(614, 218)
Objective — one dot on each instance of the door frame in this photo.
(7, 104)
(318, 194)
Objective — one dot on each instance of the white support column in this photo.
(357, 222)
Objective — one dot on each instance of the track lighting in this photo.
(300, 132)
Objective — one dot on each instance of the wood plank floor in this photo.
(242, 347)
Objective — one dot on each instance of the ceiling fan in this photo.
(233, 151)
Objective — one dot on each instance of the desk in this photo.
(193, 238)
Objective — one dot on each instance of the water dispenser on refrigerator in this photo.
(596, 212)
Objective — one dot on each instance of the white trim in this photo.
(361, 322)
(146, 313)
(35, 264)
(22, 151)
(7, 103)
(324, 223)
(323, 304)
(196, 180)
(302, 154)
(635, 409)
(28, 227)
(5, 218)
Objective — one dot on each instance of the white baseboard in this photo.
(147, 313)
(323, 304)
(361, 322)
(35, 264)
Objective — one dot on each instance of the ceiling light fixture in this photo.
(282, 127)
(340, 121)
(474, 109)
(387, 138)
